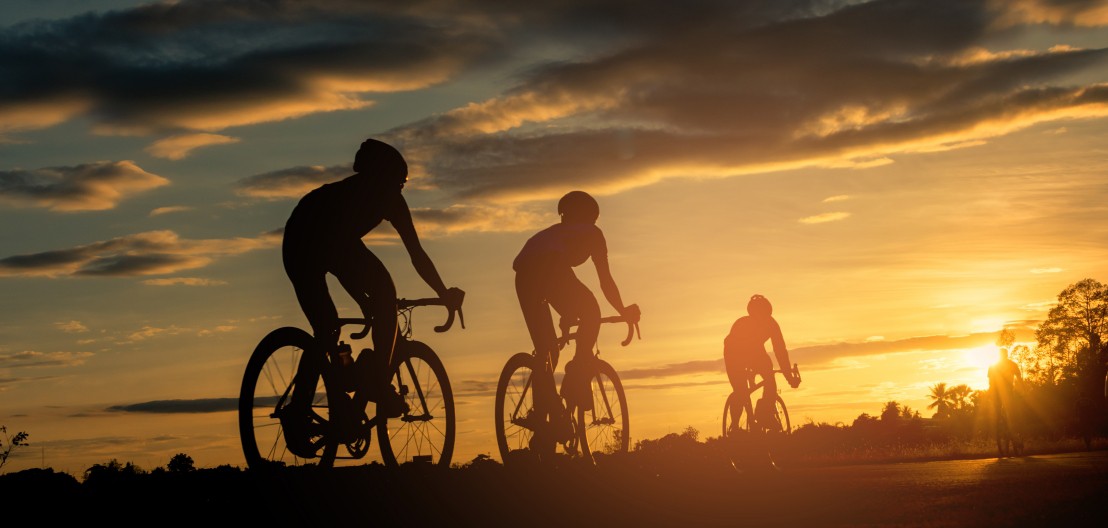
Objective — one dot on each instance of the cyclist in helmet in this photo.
(324, 235)
(744, 352)
(545, 279)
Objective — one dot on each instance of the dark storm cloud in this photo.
(704, 96)
(149, 253)
(87, 187)
(208, 65)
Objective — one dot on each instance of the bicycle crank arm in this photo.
(425, 417)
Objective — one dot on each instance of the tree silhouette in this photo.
(941, 399)
(180, 463)
(960, 398)
(20, 439)
(1072, 340)
(113, 471)
(891, 412)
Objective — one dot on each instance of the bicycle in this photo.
(423, 434)
(524, 427)
(751, 441)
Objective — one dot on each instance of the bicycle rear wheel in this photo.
(424, 434)
(266, 393)
(605, 429)
(514, 407)
(743, 440)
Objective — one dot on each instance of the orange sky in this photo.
(901, 179)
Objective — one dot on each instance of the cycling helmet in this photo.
(579, 206)
(759, 306)
(381, 158)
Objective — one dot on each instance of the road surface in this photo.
(1064, 490)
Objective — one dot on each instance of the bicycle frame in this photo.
(752, 386)
(526, 405)
(404, 309)
(325, 421)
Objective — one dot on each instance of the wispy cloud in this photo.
(34, 359)
(824, 218)
(183, 281)
(149, 253)
(203, 405)
(178, 147)
(169, 209)
(88, 187)
(291, 183)
(71, 327)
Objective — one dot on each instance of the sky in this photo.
(902, 179)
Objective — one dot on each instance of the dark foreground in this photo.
(1046, 490)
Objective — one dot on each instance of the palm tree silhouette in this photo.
(941, 400)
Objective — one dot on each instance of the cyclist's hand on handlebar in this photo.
(632, 313)
(454, 297)
(794, 381)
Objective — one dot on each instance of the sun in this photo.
(979, 359)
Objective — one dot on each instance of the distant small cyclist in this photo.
(744, 354)
(1003, 376)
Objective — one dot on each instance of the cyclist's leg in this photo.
(309, 280)
(762, 366)
(530, 292)
(367, 281)
(573, 300)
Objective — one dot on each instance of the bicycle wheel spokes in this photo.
(424, 434)
(516, 419)
(266, 395)
(605, 428)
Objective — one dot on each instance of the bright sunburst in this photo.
(980, 359)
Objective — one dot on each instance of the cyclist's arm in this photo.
(780, 350)
(401, 219)
(607, 283)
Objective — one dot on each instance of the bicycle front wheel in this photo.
(424, 434)
(266, 393)
(605, 429)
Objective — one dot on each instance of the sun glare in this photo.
(980, 359)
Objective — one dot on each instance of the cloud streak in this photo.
(87, 187)
(700, 98)
(291, 183)
(33, 359)
(149, 253)
(179, 147)
(202, 65)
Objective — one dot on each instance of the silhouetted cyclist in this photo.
(545, 279)
(1003, 376)
(744, 352)
(324, 235)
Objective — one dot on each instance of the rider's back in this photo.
(347, 209)
(561, 246)
(749, 334)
